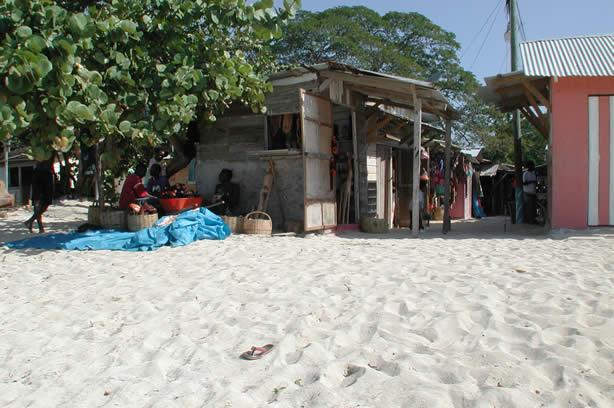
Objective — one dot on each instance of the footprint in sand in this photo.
(386, 367)
(293, 358)
(352, 374)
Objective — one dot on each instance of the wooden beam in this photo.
(371, 80)
(387, 102)
(430, 108)
(511, 104)
(371, 110)
(531, 117)
(379, 125)
(501, 82)
(519, 86)
(397, 127)
(534, 92)
(325, 84)
(447, 225)
(356, 168)
(539, 116)
(377, 139)
(416, 167)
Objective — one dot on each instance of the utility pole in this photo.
(516, 117)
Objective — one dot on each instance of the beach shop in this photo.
(16, 174)
(335, 137)
(566, 90)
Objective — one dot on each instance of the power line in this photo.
(485, 38)
(522, 32)
(480, 32)
(504, 62)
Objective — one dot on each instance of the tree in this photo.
(125, 75)
(404, 44)
(500, 142)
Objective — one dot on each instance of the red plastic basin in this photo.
(178, 204)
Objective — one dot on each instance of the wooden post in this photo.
(447, 225)
(99, 176)
(427, 193)
(415, 195)
(356, 169)
(7, 146)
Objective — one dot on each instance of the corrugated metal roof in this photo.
(575, 56)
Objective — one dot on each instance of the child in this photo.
(157, 183)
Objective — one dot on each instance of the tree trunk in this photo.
(184, 149)
(99, 177)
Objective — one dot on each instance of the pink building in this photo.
(566, 90)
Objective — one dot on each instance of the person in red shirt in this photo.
(133, 188)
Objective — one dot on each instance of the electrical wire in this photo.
(485, 38)
(522, 32)
(504, 62)
(481, 29)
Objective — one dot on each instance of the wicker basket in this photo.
(113, 219)
(257, 226)
(137, 222)
(235, 223)
(438, 213)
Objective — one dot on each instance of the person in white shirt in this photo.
(529, 184)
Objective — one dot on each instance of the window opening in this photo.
(284, 132)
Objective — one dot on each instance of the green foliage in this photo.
(500, 143)
(110, 194)
(128, 74)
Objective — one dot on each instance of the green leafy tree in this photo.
(404, 44)
(125, 75)
(501, 142)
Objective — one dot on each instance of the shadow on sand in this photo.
(485, 228)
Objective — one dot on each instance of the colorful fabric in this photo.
(132, 189)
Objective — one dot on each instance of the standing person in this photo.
(159, 160)
(42, 193)
(529, 184)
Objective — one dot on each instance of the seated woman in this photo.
(157, 183)
(133, 190)
(226, 192)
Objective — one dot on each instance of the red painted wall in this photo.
(569, 100)
(461, 209)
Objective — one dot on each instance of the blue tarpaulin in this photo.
(187, 227)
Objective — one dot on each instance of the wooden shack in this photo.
(332, 132)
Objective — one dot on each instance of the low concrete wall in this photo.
(249, 174)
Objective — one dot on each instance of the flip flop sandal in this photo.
(256, 352)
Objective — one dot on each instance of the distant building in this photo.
(20, 168)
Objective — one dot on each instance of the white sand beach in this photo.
(478, 318)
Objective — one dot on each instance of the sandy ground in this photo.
(490, 315)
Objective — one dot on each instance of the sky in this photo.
(480, 25)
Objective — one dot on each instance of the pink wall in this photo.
(461, 209)
(569, 147)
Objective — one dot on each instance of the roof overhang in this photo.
(515, 90)
(384, 89)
